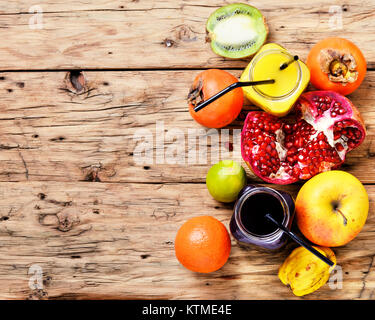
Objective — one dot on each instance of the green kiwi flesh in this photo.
(236, 31)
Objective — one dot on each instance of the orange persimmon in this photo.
(336, 64)
(222, 111)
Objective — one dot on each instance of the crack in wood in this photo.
(24, 164)
(365, 276)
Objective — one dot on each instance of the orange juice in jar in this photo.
(277, 98)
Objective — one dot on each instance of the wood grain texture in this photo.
(64, 136)
(72, 198)
(113, 240)
(160, 34)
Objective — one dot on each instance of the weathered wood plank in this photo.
(114, 239)
(50, 133)
(154, 34)
(111, 240)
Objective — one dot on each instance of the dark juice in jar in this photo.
(249, 225)
(254, 209)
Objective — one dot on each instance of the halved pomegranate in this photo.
(327, 126)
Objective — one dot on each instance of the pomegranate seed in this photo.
(290, 159)
(305, 170)
(339, 147)
(296, 171)
(289, 145)
(321, 136)
(336, 135)
(287, 128)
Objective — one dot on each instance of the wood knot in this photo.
(47, 281)
(168, 43)
(75, 81)
(92, 175)
(185, 33)
(67, 219)
(41, 196)
(96, 173)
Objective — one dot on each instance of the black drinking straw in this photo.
(230, 88)
(300, 241)
(286, 64)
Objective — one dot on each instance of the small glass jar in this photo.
(277, 98)
(272, 241)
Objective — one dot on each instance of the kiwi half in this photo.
(236, 30)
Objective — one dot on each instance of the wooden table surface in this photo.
(74, 202)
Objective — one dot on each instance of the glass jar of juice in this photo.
(249, 225)
(277, 98)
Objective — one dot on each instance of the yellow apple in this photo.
(332, 208)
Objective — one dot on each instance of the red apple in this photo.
(332, 208)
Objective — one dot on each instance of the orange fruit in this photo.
(222, 111)
(336, 64)
(202, 244)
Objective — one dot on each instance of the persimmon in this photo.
(222, 111)
(336, 64)
(202, 244)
